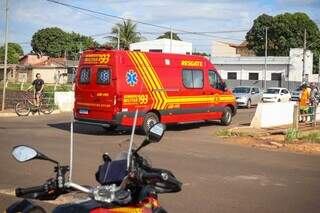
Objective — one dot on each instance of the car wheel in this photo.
(249, 104)
(227, 116)
(279, 100)
(150, 119)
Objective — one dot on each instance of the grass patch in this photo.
(291, 135)
(47, 87)
(313, 137)
(230, 133)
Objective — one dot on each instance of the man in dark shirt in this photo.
(38, 84)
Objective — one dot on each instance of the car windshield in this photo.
(273, 91)
(241, 90)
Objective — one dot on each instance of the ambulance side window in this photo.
(214, 80)
(85, 75)
(103, 76)
(192, 78)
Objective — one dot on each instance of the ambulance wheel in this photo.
(150, 119)
(227, 116)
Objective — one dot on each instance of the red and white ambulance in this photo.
(171, 88)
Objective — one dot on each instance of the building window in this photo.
(232, 76)
(103, 76)
(85, 76)
(276, 76)
(192, 78)
(253, 76)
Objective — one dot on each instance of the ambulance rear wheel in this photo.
(227, 116)
(150, 119)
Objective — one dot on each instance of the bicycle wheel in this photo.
(46, 106)
(22, 108)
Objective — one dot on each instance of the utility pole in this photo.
(5, 58)
(170, 40)
(265, 59)
(304, 55)
(319, 72)
(118, 38)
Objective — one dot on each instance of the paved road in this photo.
(217, 176)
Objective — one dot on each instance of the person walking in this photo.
(313, 100)
(38, 85)
(304, 102)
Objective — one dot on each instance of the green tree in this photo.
(50, 41)
(79, 43)
(285, 31)
(14, 53)
(55, 42)
(168, 35)
(201, 53)
(128, 34)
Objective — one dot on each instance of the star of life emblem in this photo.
(131, 78)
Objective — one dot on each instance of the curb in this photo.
(13, 114)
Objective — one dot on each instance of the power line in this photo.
(136, 21)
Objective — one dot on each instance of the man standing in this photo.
(304, 102)
(38, 85)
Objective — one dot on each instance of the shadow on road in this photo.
(194, 125)
(90, 129)
(96, 130)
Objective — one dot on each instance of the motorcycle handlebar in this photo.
(23, 191)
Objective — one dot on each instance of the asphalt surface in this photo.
(217, 176)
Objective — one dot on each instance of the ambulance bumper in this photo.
(96, 122)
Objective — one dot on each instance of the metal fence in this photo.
(307, 118)
(14, 97)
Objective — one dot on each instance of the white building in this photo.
(163, 45)
(281, 71)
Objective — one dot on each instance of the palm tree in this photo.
(128, 34)
(168, 36)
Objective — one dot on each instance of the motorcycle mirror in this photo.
(23, 153)
(156, 132)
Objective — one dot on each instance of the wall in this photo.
(178, 47)
(223, 49)
(50, 74)
(64, 100)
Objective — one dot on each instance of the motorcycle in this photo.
(127, 184)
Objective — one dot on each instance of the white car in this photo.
(276, 94)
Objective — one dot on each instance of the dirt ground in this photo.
(266, 140)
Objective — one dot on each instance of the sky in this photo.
(27, 17)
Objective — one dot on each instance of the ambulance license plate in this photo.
(83, 111)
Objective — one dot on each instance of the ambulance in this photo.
(171, 88)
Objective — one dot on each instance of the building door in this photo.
(276, 77)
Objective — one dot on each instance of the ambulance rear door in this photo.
(95, 92)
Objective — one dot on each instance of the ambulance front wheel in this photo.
(150, 119)
(226, 116)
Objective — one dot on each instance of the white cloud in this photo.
(191, 15)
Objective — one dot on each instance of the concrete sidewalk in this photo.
(12, 113)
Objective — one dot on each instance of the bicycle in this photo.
(24, 107)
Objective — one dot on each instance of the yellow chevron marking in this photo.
(146, 83)
(143, 69)
(157, 91)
